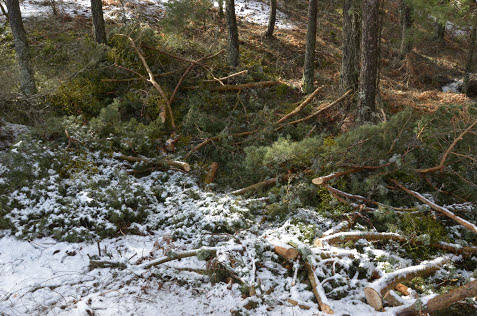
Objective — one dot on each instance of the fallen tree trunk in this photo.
(438, 208)
(377, 290)
(163, 164)
(442, 301)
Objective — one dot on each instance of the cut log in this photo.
(318, 290)
(442, 301)
(286, 251)
(297, 303)
(377, 290)
(211, 174)
(438, 208)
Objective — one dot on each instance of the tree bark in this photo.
(378, 289)
(440, 31)
(98, 21)
(221, 8)
(272, 18)
(233, 51)
(309, 69)
(22, 49)
(351, 37)
(470, 57)
(368, 81)
(406, 24)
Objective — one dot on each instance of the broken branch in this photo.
(301, 106)
(438, 208)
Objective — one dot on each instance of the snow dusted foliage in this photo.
(81, 196)
(50, 195)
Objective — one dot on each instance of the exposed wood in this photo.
(378, 289)
(324, 179)
(448, 151)
(286, 251)
(316, 286)
(211, 173)
(442, 301)
(301, 106)
(438, 208)
(297, 303)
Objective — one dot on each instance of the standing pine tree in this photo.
(98, 21)
(470, 55)
(272, 18)
(406, 25)
(233, 51)
(309, 68)
(22, 49)
(368, 80)
(351, 38)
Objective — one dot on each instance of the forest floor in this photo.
(78, 198)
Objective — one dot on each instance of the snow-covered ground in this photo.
(252, 11)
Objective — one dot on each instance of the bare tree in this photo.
(98, 21)
(351, 41)
(22, 49)
(368, 80)
(309, 68)
(272, 18)
(233, 51)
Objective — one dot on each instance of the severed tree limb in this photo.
(378, 289)
(301, 106)
(437, 208)
(260, 185)
(163, 164)
(153, 81)
(316, 286)
(324, 179)
(320, 109)
(442, 301)
(448, 151)
(374, 236)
